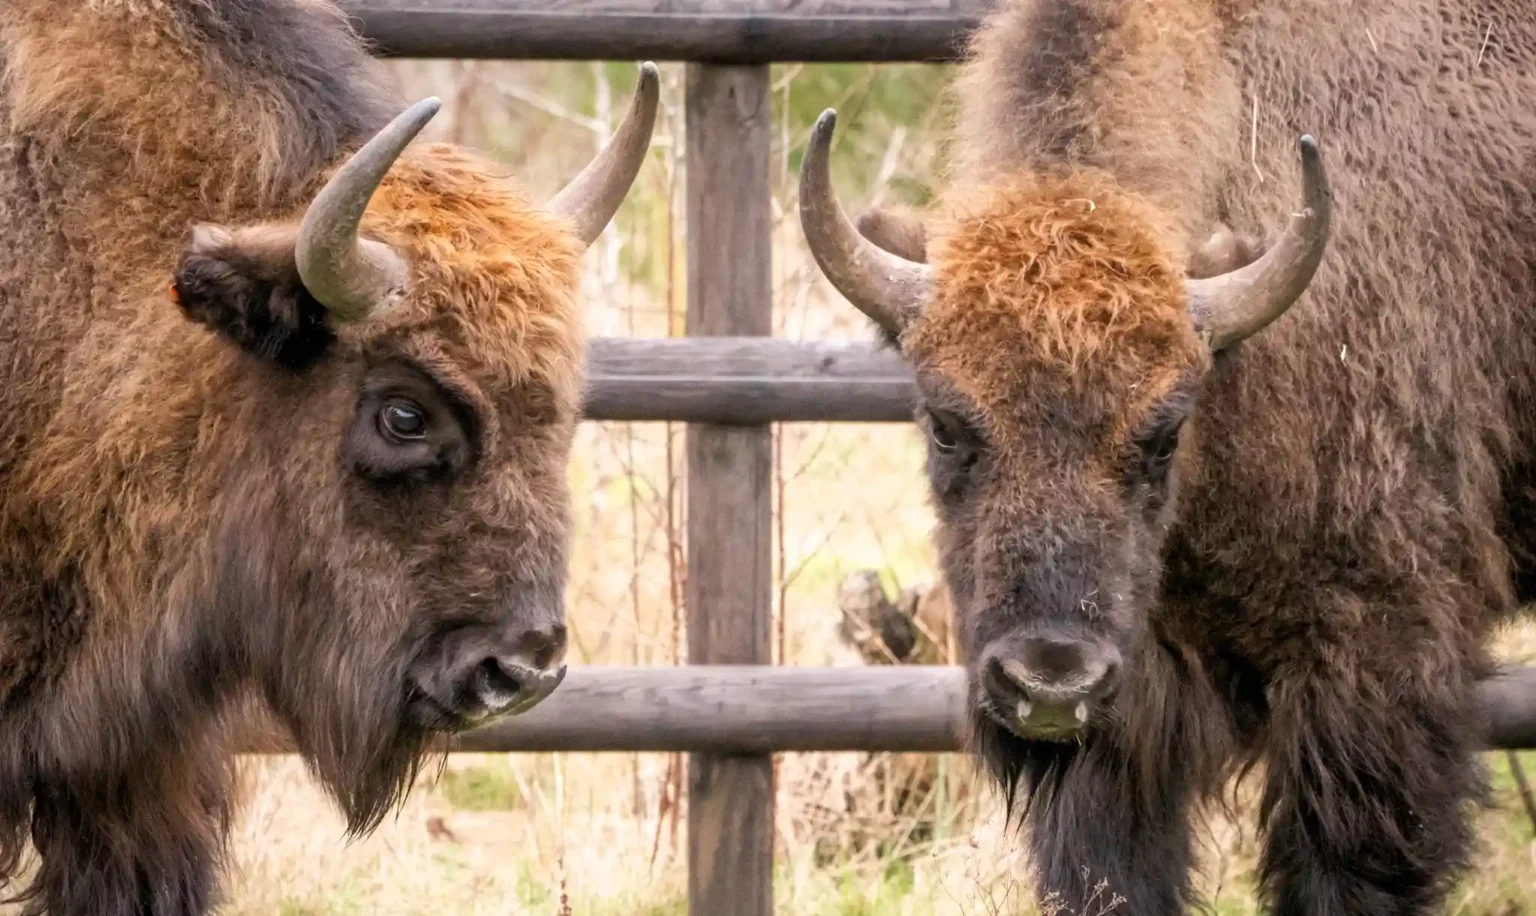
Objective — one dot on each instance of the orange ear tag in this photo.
(175, 295)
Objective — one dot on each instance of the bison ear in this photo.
(896, 229)
(244, 284)
(1222, 253)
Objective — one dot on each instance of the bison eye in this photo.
(942, 429)
(942, 439)
(402, 421)
(1160, 447)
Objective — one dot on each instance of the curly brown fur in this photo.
(1309, 578)
(193, 506)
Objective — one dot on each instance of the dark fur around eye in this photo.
(408, 428)
(1158, 446)
(941, 429)
(956, 450)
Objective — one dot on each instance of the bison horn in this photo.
(1238, 304)
(352, 276)
(888, 288)
(592, 197)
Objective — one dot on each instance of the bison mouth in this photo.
(491, 693)
(1056, 729)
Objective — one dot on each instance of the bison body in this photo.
(253, 451)
(1187, 530)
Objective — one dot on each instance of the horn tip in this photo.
(648, 90)
(1314, 176)
(825, 124)
(423, 111)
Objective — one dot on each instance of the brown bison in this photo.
(256, 442)
(1186, 535)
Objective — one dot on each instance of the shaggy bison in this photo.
(1189, 529)
(259, 439)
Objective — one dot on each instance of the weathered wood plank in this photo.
(727, 357)
(746, 380)
(721, 33)
(889, 8)
(753, 709)
(730, 519)
(740, 710)
(698, 399)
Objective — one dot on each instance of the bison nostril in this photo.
(1017, 673)
(497, 686)
(1047, 687)
(509, 685)
(541, 648)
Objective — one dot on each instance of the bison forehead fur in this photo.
(197, 517)
(1067, 277)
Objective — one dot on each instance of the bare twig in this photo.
(1526, 798)
(553, 109)
(1253, 141)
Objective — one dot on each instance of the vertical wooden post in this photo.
(730, 292)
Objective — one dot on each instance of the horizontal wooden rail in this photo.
(742, 380)
(760, 709)
(715, 31)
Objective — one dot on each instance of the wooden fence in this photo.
(728, 381)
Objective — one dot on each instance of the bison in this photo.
(1226, 506)
(285, 412)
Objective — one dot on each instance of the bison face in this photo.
(389, 544)
(1053, 458)
(1059, 355)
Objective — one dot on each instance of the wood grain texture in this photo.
(752, 709)
(701, 30)
(730, 487)
(701, 399)
(740, 710)
(802, 8)
(743, 357)
(746, 380)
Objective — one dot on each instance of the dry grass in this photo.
(604, 834)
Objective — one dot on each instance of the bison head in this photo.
(1059, 354)
(387, 543)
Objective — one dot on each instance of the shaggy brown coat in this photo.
(1349, 508)
(182, 516)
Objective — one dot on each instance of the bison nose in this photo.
(1045, 686)
(522, 673)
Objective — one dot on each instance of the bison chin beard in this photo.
(324, 667)
(1025, 770)
(354, 732)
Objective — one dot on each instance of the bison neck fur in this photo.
(1347, 513)
(181, 536)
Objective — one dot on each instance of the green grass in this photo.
(481, 789)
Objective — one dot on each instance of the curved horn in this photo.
(349, 275)
(1236, 305)
(592, 197)
(889, 289)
